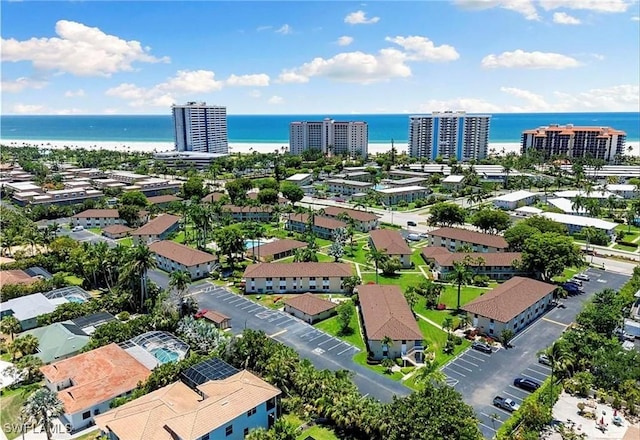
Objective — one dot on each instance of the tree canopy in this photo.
(292, 192)
(447, 214)
(548, 254)
(491, 221)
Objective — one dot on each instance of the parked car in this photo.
(582, 276)
(574, 280)
(506, 404)
(200, 313)
(413, 237)
(481, 346)
(526, 384)
(77, 228)
(544, 359)
(411, 223)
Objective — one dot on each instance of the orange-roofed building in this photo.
(87, 383)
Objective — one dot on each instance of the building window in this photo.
(312, 287)
(86, 415)
(205, 437)
(325, 278)
(251, 412)
(492, 321)
(271, 403)
(228, 430)
(246, 432)
(312, 278)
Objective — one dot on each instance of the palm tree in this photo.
(42, 407)
(377, 256)
(180, 280)
(430, 373)
(578, 204)
(386, 343)
(447, 324)
(460, 275)
(561, 362)
(10, 326)
(142, 261)
(26, 345)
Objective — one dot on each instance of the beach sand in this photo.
(236, 147)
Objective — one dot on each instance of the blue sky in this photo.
(125, 57)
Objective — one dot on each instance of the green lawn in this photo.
(93, 435)
(322, 258)
(416, 258)
(97, 231)
(567, 273)
(272, 301)
(403, 280)
(318, 433)
(127, 241)
(10, 405)
(625, 228)
(622, 247)
(358, 253)
(73, 280)
(436, 340)
(332, 326)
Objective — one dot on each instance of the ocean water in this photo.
(505, 127)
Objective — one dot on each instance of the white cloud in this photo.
(275, 99)
(285, 30)
(255, 94)
(635, 18)
(422, 49)
(356, 67)
(80, 50)
(192, 81)
(20, 84)
(27, 108)
(74, 93)
(345, 40)
(624, 97)
(589, 5)
(564, 18)
(256, 80)
(360, 17)
(472, 105)
(524, 7)
(534, 102)
(529, 60)
(263, 28)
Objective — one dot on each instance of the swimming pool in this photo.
(75, 299)
(164, 355)
(249, 244)
(380, 186)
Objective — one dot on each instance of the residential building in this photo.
(453, 182)
(449, 135)
(620, 172)
(331, 137)
(224, 409)
(391, 196)
(512, 305)
(172, 256)
(626, 191)
(58, 341)
(348, 187)
(566, 206)
(214, 197)
(187, 159)
(362, 176)
(527, 211)
(604, 143)
(26, 309)
(157, 229)
(154, 186)
(275, 250)
(300, 179)
(263, 214)
(97, 218)
(69, 196)
(222, 322)
(391, 243)
(600, 194)
(87, 383)
(15, 276)
(323, 227)
(575, 223)
(164, 200)
(200, 128)
(396, 174)
(386, 314)
(309, 307)
(514, 200)
(296, 277)
(496, 265)
(116, 232)
(363, 221)
(455, 238)
(409, 181)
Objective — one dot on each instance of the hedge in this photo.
(627, 243)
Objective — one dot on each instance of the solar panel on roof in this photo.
(212, 369)
(74, 329)
(93, 320)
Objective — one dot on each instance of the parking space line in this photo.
(337, 345)
(316, 337)
(561, 324)
(345, 350)
(544, 375)
(547, 370)
(475, 358)
(529, 376)
(324, 342)
(454, 371)
(464, 368)
(514, 396)
(468, 362)
(502, 410)
(277, 334)
(518, 389)
(489, 417)
(488, 427)
(246, 307)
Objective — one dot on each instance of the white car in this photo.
(77, 228)
(582, 276)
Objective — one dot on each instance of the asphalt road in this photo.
(322, 349)
(480, 377)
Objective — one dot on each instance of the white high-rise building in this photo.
(201, 127)
(449, 134)
(331, 137)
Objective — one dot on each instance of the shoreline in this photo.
(236, 147)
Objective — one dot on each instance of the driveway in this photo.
(322, 349)
(480, 377)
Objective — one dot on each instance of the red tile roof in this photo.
(390, 242)
(444, 257)
(465, 235)
(15, 276)
(319, 221)
(96, 376)
(213, 197)
(117, 229)
(385, 312)
(180, 253)
(163, 199)
(216, 317)
(509, 299)
(361, 216)
(158, 225)
(263, 270)
(310, 304)
(98, 213)
(276, 247)
(235, 208)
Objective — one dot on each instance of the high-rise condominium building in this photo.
(201, 127)
(331, 137)
(568, 140)
(449, 134)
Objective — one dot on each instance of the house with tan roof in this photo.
(15, 276)
(391, 243)
(227, 409)
(97, 218)
(221, 321)
(296, 277)
(363, 221)
(171, 256)
(87, 383)
(157, 229)
(213, 197)
(455, 238)
(495, 265)
(275, 250)
(309, 307)
(249, 213)
(116, 231)
(323, 227)
(386, 313)
(163, 200)
(512, 305)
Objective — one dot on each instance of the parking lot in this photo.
(480, 377)
(322, 349)
(86, 235)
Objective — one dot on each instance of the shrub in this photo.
(627, 243)
(481, 280)
(123, 316)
